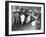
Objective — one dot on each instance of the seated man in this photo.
(34, 17)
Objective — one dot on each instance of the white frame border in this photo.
(24, 32)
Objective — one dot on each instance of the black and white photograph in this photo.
(25, 18)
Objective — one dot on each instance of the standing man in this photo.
(22, 16)
(26, 15)
(17, 18)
